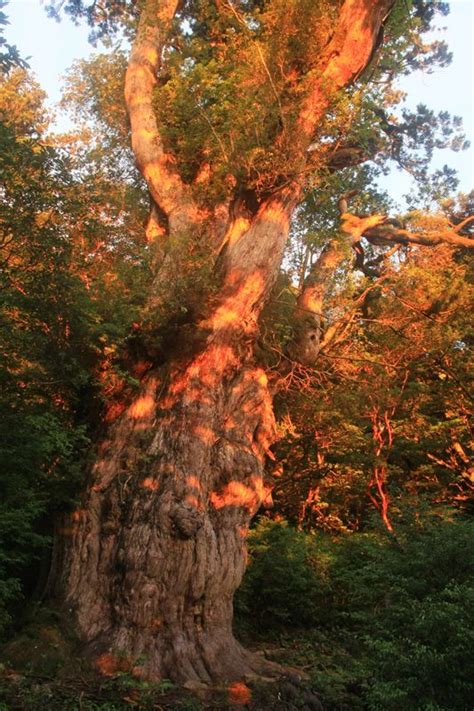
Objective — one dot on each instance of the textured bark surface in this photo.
(156, 550)
(158, 546)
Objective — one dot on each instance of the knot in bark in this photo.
(187, 519)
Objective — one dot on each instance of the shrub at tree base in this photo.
(390, 622)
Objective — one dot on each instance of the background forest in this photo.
(361, 563)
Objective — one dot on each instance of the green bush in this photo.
(285, 582)
(411, 605)
(389, 622)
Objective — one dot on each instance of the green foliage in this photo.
(232, 77)
(107, 20)
(55, 679)
(389, 622)
(234, 83)
(411, 603)
(9, 55)
(43, 361)
(400, 350)
(283, 583)
(76, 276)
(64, 306)
(93, 92)
(110, 201)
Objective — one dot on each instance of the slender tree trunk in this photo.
(307, 317)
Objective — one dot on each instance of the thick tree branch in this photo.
(463, 224)
(168, 191)
(380, 231)
(343, 60)
(389, 234)
(347, 156)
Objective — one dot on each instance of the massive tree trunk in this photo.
(157, 548)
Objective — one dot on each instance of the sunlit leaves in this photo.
(234, 83)
(94, 93)
(233, 74)
(403, 352)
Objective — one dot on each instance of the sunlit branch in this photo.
(157, 167)
(379, 230)
(344, 59)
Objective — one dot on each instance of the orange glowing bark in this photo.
(153, 561)
(377, 230)
(306, 341)
(166, 187)
(343, 60)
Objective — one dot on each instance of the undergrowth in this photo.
(375, 623)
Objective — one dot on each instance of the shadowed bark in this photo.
(158, 545)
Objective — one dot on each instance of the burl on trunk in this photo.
(157, 549)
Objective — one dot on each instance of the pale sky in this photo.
(52, 47)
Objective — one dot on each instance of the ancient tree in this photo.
(157, 548)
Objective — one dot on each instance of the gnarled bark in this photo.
(157, 548)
